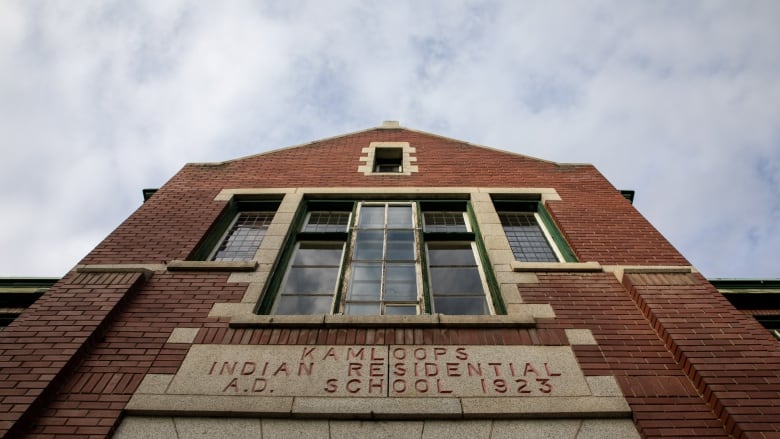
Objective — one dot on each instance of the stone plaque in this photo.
(380, 371)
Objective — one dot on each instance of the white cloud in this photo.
(676, 100)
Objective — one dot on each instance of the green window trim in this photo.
(555, 234)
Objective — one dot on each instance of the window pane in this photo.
(400, 282)
(244, 237)
(401, 310)
(368, 245)
(326, 221)
(399, 217)
(446, 222)
(304, 305)
(365, 283)
(461, 305)
(526, 238)
(312, 253)
(400, 245)
(455, 281)
(362, 309)
(372, 217)
(450, 255)
(311, 280)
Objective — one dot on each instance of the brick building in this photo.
(387, 283)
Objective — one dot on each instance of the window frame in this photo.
(220, 230)
(552, 235)
(267, 303)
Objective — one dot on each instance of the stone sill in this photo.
(178, 265)
(428, 320)
(604, 407)
(581, 267)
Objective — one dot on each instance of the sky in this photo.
(677, 100)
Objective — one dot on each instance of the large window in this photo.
(531, 236)
(381, 258)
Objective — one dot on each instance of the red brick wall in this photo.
(597, 221)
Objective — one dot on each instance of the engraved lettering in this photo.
(375, 384)
(282, 368)
(330, 354)
(461, 354)
(303, 369)
(453, 369)
(354, 367)
(550, 372)
(259, 385)
(248, 368)
(376, 369)
(440, 388)
(529, 368)
(331, 385)
(474, 369)
(233, 384)
(354, 355)
(228, 367)
(352, 386)
(307, 352)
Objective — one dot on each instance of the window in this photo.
(388, 160)
(238, 233)
(389, 258)
(244, 237)
(528, 231)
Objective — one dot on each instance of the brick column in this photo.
(730, 358)
(39, 348)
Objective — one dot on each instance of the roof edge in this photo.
(387, 125)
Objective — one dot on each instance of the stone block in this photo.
(145, 427)
(183, 335)
(207, 428)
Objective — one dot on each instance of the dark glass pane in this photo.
(449, 255)
(312, 253)
(460, 305)
(365, 282)
(372, 217)
(401, 310)
(455, 281)
(368, 245)
(311, 280)
(400, 282)
(399, 217)
(304, 305)
(400, 245)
